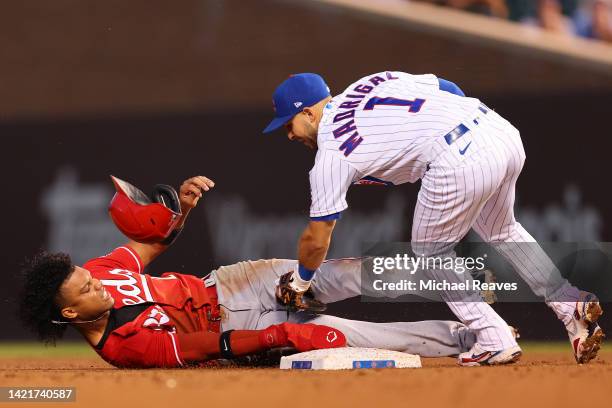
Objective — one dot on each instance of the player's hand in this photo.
(192, 190)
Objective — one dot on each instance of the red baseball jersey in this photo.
(150, 340)
(148, 311)
(121, 274)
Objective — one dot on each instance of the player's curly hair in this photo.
(43, 275)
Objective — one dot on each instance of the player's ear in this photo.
(309, 114)
(69, 313)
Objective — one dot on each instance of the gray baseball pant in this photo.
(246, 296)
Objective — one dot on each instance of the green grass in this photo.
(554, 346)
(33, 349)
(545, 346)
(82, 349)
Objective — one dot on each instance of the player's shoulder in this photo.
(377, 78)
(122, 257)
(367, 81)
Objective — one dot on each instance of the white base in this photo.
(347, 358)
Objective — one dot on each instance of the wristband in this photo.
(172, 237)
(305, 273)
(225, 345)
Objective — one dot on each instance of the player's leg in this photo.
(452, 194)
(248, 303)
(496, 224)
(434, 338)
(338, 279)
(251, 284)
(246, 292)
(246, 289)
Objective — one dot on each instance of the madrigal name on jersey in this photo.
(351, 102)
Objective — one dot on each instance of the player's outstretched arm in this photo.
(314, 243)
(190, 193)
(203, 345)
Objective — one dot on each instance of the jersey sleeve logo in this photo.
(156, 318)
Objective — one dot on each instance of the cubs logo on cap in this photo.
(295, 93)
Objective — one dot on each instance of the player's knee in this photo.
(505, 233)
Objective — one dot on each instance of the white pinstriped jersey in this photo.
(381, 130)
(393, 128)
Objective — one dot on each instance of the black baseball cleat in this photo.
(297, 301)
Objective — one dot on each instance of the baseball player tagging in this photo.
(391, 128)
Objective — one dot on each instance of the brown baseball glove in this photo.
(294, 300)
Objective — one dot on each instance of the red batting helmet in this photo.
(141, 218)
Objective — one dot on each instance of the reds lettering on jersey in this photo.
(121, 274)
(382, 129)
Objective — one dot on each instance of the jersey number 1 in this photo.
(414, 105)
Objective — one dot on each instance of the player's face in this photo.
(84, 297)
(302, 129)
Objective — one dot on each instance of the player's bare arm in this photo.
(190, 193)
(314, 243)
(293, 289)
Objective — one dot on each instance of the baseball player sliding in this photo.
(133, 319)
(391, 128)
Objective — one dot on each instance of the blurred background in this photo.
(582, 18)
(155, 92)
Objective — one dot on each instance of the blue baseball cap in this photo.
(294, 94)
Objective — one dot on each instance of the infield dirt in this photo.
(541, 378)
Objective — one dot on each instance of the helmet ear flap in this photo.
(167, 196)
